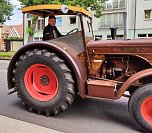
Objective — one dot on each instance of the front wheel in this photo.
(140, 107)
(44, 82)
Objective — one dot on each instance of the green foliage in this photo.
(5, 10)
(94, 5)
(15, 39)
(31, 29)
(7, 54)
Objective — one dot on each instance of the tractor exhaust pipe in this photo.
(113, 32)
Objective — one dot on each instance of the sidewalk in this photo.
(9, 125)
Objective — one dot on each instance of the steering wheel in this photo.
(73, 31)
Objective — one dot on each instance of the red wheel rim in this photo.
(146, 110)
(41, 82)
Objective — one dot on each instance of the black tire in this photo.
(65, 94)
(138, 103)
(131, 90)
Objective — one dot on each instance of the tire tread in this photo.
(69, 98)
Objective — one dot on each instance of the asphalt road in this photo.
(84, 116)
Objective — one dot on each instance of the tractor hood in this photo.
(120, 46)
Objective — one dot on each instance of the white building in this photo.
(139, 18)
(136, 13)
(114, 12)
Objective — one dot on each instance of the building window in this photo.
(102, 23)
(109, 5)
(119, 36)
(147, 14)
(29, 16)
(29, 23)
(37, 39)
(122, 4)
(40, 24)
(73, 20)
(149, 35)
(58, 21)
(121, 20)
(115, 4)
(142, 35)
(115, 20)
(108, 20)
(98, 37)
(104, 6)
(109, 37)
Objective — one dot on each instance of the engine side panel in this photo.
(119, 62)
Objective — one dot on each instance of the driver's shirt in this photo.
(54, 33)
(51, 32)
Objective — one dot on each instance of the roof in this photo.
(13, 30)
(46, 10)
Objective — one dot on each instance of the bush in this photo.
(7, 54)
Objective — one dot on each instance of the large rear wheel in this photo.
(140, 107)
(44, 82)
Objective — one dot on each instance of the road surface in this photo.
(84, 116)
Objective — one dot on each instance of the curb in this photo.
(5, 58)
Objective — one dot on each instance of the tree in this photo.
(6, 10)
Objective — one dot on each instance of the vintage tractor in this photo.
(47, 75)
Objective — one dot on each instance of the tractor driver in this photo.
(51, 31)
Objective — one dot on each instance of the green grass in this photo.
(7, 54)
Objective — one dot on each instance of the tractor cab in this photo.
(44, 11)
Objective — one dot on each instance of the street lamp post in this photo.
(135, 19)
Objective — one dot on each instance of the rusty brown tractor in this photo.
(47, 75)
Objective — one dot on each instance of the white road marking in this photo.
(4, 61)
(3, 71)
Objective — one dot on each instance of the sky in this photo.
(17, 17)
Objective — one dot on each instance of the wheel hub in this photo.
(44, 80)
(41, 82)
(146, 110)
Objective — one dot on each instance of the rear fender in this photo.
(135, 77)
(68, 54)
